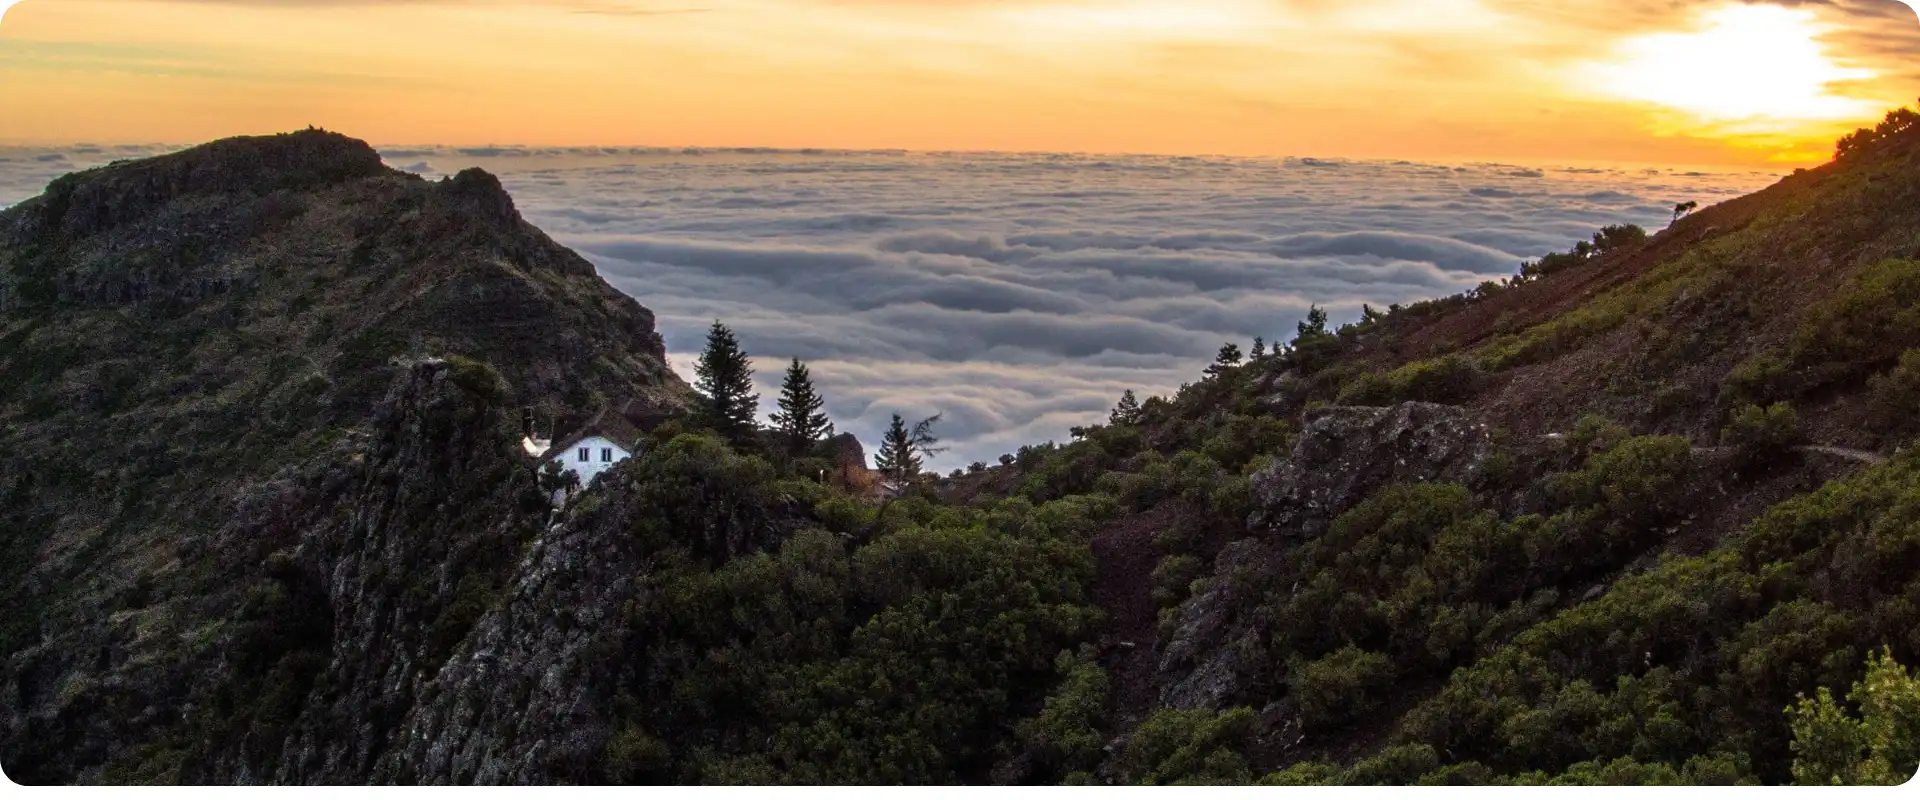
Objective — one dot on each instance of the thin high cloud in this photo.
(1428, 78)
(1018, 295)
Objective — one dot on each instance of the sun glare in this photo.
(1760, 65)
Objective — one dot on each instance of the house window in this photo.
(584, 455)
(606, 455)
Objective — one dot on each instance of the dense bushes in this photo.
(1066, 739)
(1608, 240)
(1188, 747)
(1701, 653)
(1422, 578)
(1759, 435)
(1897, 122)
(895, 661)
(1866, 325)
(1878, 310)
(1450, 379)
(1338, 687)
(1879, 747)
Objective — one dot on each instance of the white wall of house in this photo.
(590, 457)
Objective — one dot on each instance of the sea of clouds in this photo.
(1018, 294)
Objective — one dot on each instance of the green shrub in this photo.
(1338, 688)
(477, 378)
(1638, 481)
(1760, 435)
(1897, 392)
(1880, 747)
(1877, 310)
(1307, 773)
(1065, 737)
(1762, 377)
(1243, 438)
(1450, 379)
(1188, 747)
(1395, 766)
(1173, 577)
(635, 757)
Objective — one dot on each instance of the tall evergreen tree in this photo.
(1229, 357)
(800, 420)
(725, 377)
(897, 459)
(1259, 347)
(1315, 324)
(1127, 412)
(902, 450)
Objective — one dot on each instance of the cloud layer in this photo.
(1019, 294)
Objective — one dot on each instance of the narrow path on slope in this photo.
(1844, 453)
(1860, 456)
(1847, 453)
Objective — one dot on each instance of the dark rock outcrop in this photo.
(1345, 453)
(525, 699)
(1204, 663)
(846, 452)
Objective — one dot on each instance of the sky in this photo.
(1660, 81)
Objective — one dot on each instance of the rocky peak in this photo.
(85, 203)
(480, 193)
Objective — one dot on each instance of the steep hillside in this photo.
(1603, 521)
(196, 349)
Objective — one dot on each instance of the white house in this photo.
(605, 440)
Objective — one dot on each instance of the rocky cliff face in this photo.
(259, 479)
(1345, 453)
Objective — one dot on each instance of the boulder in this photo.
(1346, 452)
(1207, 658)
(845, 451)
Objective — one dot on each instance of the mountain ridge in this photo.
(186, 336)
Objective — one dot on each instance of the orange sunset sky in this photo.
(1711, 82)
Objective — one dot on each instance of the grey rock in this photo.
(1346, 452)
(1205, 661)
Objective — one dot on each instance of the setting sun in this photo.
(1753, 69)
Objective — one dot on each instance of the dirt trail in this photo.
(1124, 559)
(1847, 453)
(1860, 456)
(1856, 456)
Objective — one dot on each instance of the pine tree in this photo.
(1229, 357)
(902, 450)
(923, 440)
(1259, 347)
(1315, 324)
(897, 459)
(799, 420)
(1128, 412)
(725, 376)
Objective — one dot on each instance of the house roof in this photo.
(607, 424)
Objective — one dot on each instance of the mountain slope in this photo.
(197, 350)
(1600, 523)
(1666, 495)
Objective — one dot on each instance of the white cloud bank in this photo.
(1018, 294)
